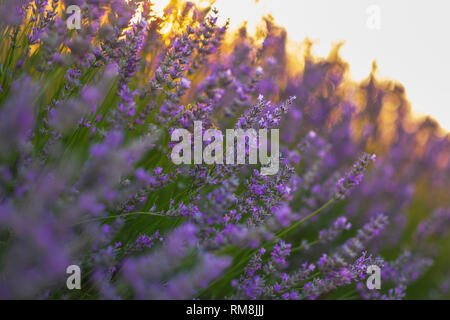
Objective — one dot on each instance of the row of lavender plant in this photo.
(86, 176)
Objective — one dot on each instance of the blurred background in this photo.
(407, 38)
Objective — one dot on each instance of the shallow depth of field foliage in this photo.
(86, 176)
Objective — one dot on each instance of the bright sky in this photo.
(412, 44)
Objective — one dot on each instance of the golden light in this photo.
(405, 60)
(159, 6)
(397, 46)
(137, 18)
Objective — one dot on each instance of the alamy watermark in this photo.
(374, 280)
(374, 17)
(74, 20)
(74, 280)
(251, 144)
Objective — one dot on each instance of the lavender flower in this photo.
(354, 176)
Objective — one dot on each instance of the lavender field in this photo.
(89, 100)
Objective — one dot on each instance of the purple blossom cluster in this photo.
(86, 176)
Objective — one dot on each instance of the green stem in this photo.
(298, 223)
(120, 215)
(301, 247)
